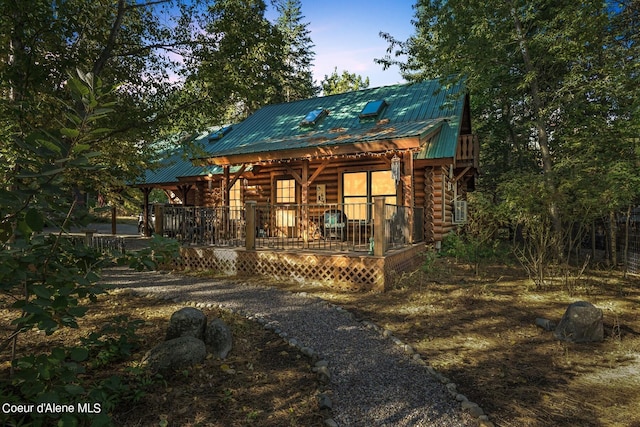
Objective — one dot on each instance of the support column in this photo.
(145, 211)
(408, 193)
(304, 201)
(250, 231)
(159, 212)
(379, 238)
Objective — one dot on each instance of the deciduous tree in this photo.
(345, 82)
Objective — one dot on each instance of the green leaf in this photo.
(77, 87)
(73, 389)
(70, 133)
(45, 172)
(35, 220)
(58, 354)
(41, 291)
(79, 354)
(6, 231)
(79, 148)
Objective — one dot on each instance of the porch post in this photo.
(250, 231)
(379, 240)
(408, 193)
(304, 201)
(145, 211)
(159, 225)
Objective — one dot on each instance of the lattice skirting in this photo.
(343, 271)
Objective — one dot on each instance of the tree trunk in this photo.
(612, 237)
(627, 224)
(540, 125)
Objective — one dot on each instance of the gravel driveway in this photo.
(371, 379)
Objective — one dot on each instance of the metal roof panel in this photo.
(412, 109)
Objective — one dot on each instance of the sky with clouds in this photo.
(346, 35)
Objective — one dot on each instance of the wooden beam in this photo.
(318, 171)
(235, 177)
(184, 192)
(294, 174)
(305, 182)
(461, 174)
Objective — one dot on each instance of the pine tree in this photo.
(298, 78)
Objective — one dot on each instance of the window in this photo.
(235, 200)
(354, 191)
(372, 109)
(359, 189)
(383, 184)
(313, 117)
(285, 216)
(286, 191)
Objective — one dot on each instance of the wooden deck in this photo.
(347, 271)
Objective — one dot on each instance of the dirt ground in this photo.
(477, 330)
(262, 382)
(481, 333)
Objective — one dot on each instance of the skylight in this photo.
(313, 117)
(215, 136)
(373, 109)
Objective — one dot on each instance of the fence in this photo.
(105, 244)
(632, 244)
(332, 227)
(203, 226)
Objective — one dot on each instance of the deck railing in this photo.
(325, 227)
(468, 149)
(203, 226)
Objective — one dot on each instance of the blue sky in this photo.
(345, 34)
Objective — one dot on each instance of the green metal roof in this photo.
(174, 159)
(411, 110)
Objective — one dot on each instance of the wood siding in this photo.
(429, 185)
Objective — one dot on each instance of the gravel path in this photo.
(372, 380)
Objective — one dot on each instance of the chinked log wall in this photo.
(438, 198)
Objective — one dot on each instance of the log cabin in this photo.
(325, 173)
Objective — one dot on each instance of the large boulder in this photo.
(175, 353)
(187, 321)
(218, 337)
(582, 322)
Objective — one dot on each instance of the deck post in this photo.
(159, 222)
(250, 232)
(379, 240)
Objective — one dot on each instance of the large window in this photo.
(359, 189)
(354, 192)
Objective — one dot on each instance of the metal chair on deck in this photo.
(333, 224)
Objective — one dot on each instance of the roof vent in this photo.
(313, 117)
(373, 109)
(217, 135)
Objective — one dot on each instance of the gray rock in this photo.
(187, 321)
(545, 324)
(218, 337)
(324, 402)
(582, 322)
(175, 353)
